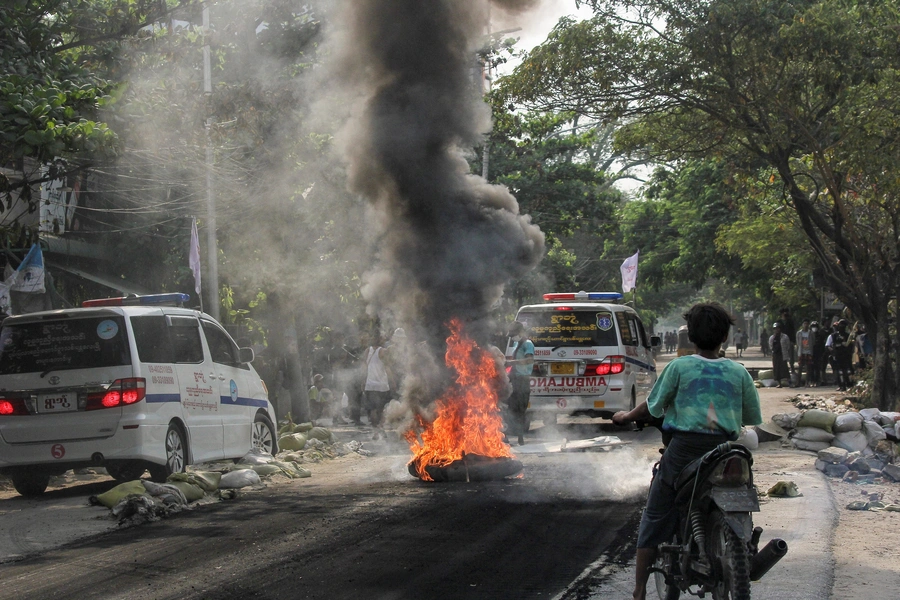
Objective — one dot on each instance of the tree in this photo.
(803, 87)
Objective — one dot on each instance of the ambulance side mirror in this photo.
(246, 355)
(655, 341)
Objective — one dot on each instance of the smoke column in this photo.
(448, 240)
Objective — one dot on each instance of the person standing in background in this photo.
(764, 342)
(790, 330)
(779, 342)
(522, 362)
(805, 341)
(377, 387)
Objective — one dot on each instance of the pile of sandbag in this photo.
(869, 435)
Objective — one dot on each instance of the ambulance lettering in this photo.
(568, 385)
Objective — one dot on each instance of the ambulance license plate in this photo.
(562, 368)
(57, 403)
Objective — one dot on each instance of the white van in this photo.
(128, 384)
(591, 356)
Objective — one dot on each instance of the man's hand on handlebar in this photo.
(639, 414)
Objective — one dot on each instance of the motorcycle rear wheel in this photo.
(664, 590)
(732, 560)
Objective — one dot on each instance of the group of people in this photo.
(812, 347)
(354, 382)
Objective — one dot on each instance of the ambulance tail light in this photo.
(611, 365)
(13, 407)
(121, 392)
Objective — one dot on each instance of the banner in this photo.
(194, 259)
(29, 276)
(629, 273)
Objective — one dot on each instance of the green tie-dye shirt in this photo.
(701, 395)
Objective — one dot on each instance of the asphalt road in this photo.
(365, 530)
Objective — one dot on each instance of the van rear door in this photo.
(59, 364)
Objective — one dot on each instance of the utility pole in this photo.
(212, 245)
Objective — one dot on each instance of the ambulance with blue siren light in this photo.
(592, 355)
(129, 384)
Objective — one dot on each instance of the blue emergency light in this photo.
(583, 297)
(173, 299)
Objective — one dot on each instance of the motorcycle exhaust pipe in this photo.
(766, 558)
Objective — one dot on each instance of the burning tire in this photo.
(471, 468)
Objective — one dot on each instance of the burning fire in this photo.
(468, 416)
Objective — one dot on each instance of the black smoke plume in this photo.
(448, 240)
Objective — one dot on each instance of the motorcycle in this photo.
(716, 547)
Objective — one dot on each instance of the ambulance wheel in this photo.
(30, 484)
(264, 435)
(176, 455)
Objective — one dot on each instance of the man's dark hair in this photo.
(708, 325)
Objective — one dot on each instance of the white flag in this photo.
(194, 257)
(629, 273)
(30, 274)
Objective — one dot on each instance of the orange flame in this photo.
(468, 416)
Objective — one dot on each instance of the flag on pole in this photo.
(29, 276)
(194, 257)
(629, 273)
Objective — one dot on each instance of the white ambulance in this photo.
(592, 356)
(128, 384)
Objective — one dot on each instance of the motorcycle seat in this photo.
(694, 467)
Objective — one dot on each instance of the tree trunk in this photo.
(883, 374)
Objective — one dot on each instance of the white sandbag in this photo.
(869, 414)
(851, 421)
(874, 432)
(887, 418)
(256, 457)
(813, 434)
(238, 479)
(811, 446)
(852, 441)
(786, 420)
(748, 438)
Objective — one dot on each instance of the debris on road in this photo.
(859, 447)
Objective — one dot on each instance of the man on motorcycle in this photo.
(703, 400)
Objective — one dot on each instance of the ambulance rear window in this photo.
(63, 344)
(560, 328)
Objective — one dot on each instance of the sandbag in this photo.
(851, 421)
(869, 414)
(811, 446)
(321, 434)
(112, 497)
(812, 434)
(786, 420)
(821, 419)
(874, 432)
(292, 470)
(191, 492)
(748, 439)
(303, 427)
(887, 419)
(852, 441)
(166, 493)
(255, 456)
(270, 469)
(292, 442)
(766, 374)
(208, 481)
(239, 479)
